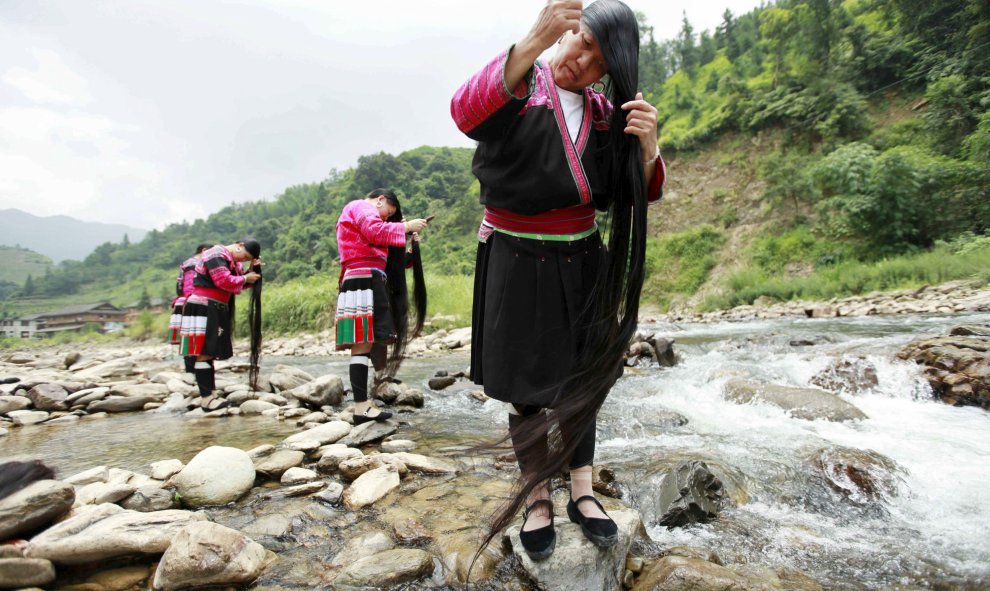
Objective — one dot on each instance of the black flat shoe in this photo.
(602, 532)
(383, 415)
(538, 543)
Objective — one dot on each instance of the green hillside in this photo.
(809, 142)
(20, 269)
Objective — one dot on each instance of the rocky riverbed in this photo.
(310, 500)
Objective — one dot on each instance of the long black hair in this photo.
(254, 314)
(609, 318)
(398, 291)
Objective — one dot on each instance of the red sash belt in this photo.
(212, 293)
(567, 220)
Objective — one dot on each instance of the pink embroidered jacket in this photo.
(218, 276)
(363, 237)
(184, 282)
(526, 161)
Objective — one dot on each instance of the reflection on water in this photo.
(930, 533)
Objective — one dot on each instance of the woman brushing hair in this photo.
(554, 307)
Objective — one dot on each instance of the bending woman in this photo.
(554, 308)
(183, 288)
(372, 302)
(207, 318)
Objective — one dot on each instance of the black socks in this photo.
(205, 377)
(359, 377)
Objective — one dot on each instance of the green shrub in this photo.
(680, 263)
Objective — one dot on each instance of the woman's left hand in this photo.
(641, 121)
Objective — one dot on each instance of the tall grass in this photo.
(309, 304)
(679, 263)
(944, 263)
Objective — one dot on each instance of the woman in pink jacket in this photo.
(183, 289)
(372, 305)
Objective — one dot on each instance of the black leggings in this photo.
(535, 418)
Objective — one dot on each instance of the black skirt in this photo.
(363, 312)
(529, 315)
(206, 330)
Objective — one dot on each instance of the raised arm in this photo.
(485, 105)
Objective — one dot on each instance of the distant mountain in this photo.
(60, 237)
(21, 263)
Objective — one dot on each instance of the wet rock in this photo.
(145, 390)
(121, 579)
(285, 377)
(18, 573)
(970, 330)
(848, 375)
(106, 531)
(208, 553)
(216, 476)
(410, 397)
(957, 367)
(440, 383)
(64, 420)
(332, 493)
(327, 390)
(150, 498)
(386, 569)
(34, 506)
(334, 455)
(84, 397)
(164, 469)
(48, 397)
(457, 551)
(294, 476)
(28, 417)
(313, 417)
(301, 490)
(97, 474)
(256, 453)
(397, 445)
(11, 403)
(364, 545)
(388, 392)
(108, 369)
(576, 564)
(352, 468)
(664, 349)
(274, 465)
(321, 435)
(98, 493)
(425, 465)
(861, 476)
(368, 432)
(802, 403)
(120, 403)
(690, 494)
(256, 407)
(677, 573)
(370, 487)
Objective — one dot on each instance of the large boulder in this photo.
(576, 564)
(286, 377)
(957, 366)
(386, 569)
(689, 494)
(325, 390)
(107, 531)
(370, 487)
(21, 573)
(679, 573)
(216, 476)
(48, 397)
(209, 554)
(863, 477)
(34, 506)
(801, 403)
(320, 435)
(848, 375)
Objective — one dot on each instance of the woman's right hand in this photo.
(556, 18)
(416, 225)
(251, 277)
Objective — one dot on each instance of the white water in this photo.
(932, 531)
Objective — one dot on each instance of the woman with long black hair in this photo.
(208, 315)
(373, 301)
(183, 288)
(554, 308)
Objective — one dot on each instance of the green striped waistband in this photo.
(553, 237)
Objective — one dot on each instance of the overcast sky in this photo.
(152, 112)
